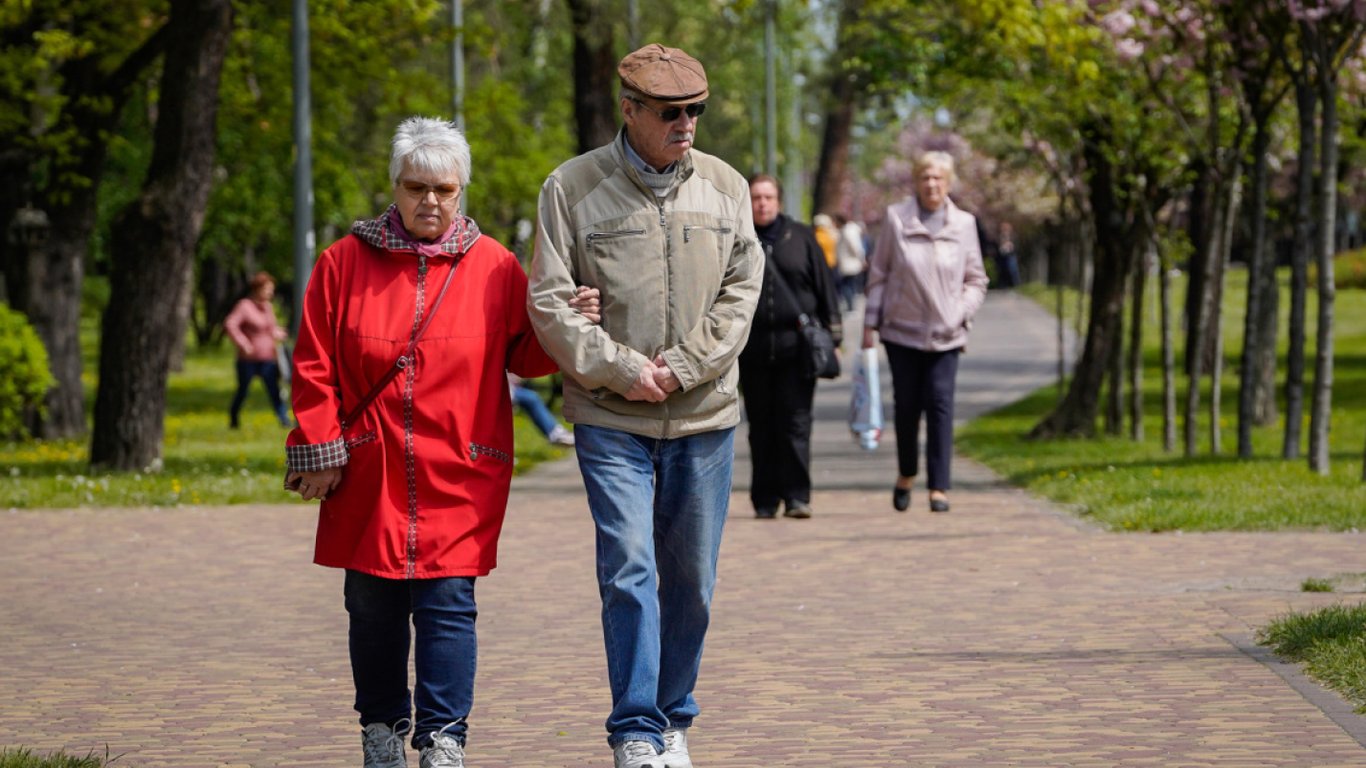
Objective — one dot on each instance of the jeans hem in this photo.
(617, 739)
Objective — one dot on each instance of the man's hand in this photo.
(587, 302)
(314, 485)
(664, 376)
(645, 386)
(869, 338)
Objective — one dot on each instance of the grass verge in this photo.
(1129, 485)
(24, 758)
(1330, 642)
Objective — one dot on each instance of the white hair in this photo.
(935, 159)
(432, 146)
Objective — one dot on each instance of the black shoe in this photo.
(939, 503)
(901, 499)
(799, 510)
(766, 513)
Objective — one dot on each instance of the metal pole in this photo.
(770, 93)
(458, 66)
(304, 242)
(632, 24)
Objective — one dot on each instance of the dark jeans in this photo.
(778, 407)
(269, 371)
(923, 383)
(443, 614)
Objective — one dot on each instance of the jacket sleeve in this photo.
(974, 278)
(879, 267)
(713, 344)
(525, 356)
(315, 390)
(232, 325)
(581, 348)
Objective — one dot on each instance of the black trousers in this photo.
(922, 384)
(778, 406)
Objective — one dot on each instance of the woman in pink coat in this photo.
(254, 331)
(925, 282)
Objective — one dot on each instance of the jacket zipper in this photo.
(608, 235)
(409, 452)
(688, 230)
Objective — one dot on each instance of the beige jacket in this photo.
(923, 289)
(679, 276)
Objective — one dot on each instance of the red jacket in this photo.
(427, 466)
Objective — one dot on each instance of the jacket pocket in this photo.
(478, 450)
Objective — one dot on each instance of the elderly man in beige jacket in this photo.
(666, 234)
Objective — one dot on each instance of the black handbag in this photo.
(818, 346)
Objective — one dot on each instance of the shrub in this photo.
(24, 375)
(1349, 270)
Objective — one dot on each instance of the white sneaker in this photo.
(443, 752)
(676, 748)
(561, 436)
(384, 745)
(636, 754)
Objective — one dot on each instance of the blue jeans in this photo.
(443, 614)
(659, 506)
(269, 371)
(923, 384)
(535, 408)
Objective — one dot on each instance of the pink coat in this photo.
(923, 289)
(253, 330)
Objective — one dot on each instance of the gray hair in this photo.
(430, 145)
(941, 160)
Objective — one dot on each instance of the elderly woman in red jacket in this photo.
(925, 282)
(414, 482)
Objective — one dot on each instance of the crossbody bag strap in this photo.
(802, 318)
(404, 359)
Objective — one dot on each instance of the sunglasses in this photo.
(418, 191)
(671, 114)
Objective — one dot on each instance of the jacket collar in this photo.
(909, 214)
(376, 232)
(681, 173)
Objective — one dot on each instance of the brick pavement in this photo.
(1002, 634)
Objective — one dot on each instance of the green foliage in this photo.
(26, 378)
(1330, 641)
(1349, 270)
(1316, 585)
(1137, 486)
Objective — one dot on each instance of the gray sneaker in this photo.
(384, 745)
(636, 754)
(676, 748)
(443, 752)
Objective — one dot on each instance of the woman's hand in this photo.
(314, 485)
(587, 302)
(869, 337)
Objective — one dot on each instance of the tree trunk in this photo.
(595, 75)
(1164, 286)
(1114, 390)
(1227, 218)
(1198, 231)
(154, 238)
(1257, 370)
(832, 167)
(1076, 414)
(1138, 291)
(1198, 332)
(1306, 103)
(1322, 404)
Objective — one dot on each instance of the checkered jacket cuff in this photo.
(317, 456)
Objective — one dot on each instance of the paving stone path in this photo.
(1002, 634)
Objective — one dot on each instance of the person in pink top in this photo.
(254, 331)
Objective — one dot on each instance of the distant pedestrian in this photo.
(253, 329)
(851, 260)
(534, 407)
(925, 282)
(1007, 261)
(828, 237)
(665, 232)
(777, 389)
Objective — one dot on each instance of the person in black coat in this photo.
(778, 392)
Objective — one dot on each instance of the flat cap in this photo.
(666, 74)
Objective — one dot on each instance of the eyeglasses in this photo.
(418, 191)
(671, 114)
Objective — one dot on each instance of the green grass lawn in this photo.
(1137, 486)
(204, 461)
(1330, 642)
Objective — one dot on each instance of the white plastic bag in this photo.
(865, 400)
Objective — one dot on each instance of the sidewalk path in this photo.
(1002, 634)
